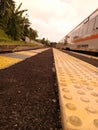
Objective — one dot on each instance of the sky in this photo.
(53, 19)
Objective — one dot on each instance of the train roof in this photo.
(92, 15)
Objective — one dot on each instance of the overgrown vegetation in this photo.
(44, 41)
(14, 23)
(4, 37)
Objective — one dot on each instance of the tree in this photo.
(32, 34)
(25, 27)
(16, 23)
(45, 42)
(6, 7)
(13, 22)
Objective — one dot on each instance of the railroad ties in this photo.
(78, 92)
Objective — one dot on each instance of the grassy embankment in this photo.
(5, 40)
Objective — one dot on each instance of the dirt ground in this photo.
(28, 95)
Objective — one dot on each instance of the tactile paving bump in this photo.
(78, 92)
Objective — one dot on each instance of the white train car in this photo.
(85, 35)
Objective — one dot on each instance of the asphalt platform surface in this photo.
(29, 95)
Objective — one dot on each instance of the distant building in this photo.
(53, 44)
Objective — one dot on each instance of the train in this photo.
(84, 37)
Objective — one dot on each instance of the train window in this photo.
(82, 46)
(85, 29)
(75, 34)
(80, 32)
(96, 23)
(91, 24)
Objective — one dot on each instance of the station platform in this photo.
(78, 92)
(8, 59)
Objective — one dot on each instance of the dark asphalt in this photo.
(29, 95)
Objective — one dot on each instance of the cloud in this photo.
(66, 1)
(55, 18)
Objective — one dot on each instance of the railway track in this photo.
(85, 57)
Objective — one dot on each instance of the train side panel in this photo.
(85, 35)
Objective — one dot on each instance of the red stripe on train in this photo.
(86, 38)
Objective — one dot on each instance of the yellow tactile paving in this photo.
(31, 52)
(10, 59)
(26, 53)
(7, 61)
(78, 92)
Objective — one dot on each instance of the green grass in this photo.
(34, 43)
(4, 37)
(13, 43)
(6, 40)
